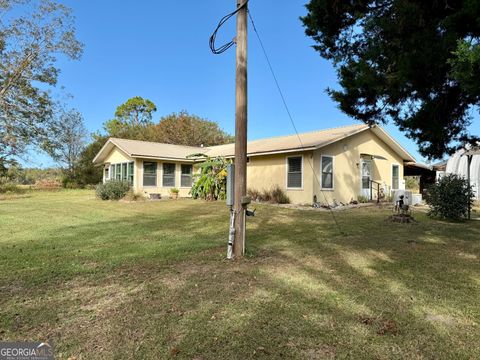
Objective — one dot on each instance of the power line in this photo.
(290, 115)
(213, 37)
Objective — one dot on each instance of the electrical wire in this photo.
(213, 37)
(287, 109)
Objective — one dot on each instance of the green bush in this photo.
(450, 197)
(412, 183)
(362, 199)
(10, 188)
(69, 183)
(112, 190)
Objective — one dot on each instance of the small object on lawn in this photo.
(155, 196)
(403, 213)
(250, 212)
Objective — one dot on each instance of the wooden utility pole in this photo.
(240, 131)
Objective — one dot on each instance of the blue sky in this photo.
(159, 50)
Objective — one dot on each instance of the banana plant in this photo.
(211, 179)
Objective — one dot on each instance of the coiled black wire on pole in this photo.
(228, 45)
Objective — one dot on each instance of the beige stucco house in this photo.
(336, 164)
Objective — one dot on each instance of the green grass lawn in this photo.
(148, 280)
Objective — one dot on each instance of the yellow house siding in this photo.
(159, 188)
(264, 172)
(347, 172)
(117, 156)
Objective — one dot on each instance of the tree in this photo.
(415, 63)
(87, 173)
(33, 34)
(136, 110)
(186, 129)
(70, 142)
(132, 118)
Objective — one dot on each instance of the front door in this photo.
(366, 174)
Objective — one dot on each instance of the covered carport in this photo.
(426, 173)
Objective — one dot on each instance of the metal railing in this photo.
(375, 185)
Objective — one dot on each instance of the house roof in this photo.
(281, 144)
(147, 149)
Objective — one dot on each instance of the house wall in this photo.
(159, 188)
(114, 157)
(264, 172)
(347, 171)
(118, 156)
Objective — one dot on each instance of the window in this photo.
(149, 174)
(130, 173)
(395, 176)
(168, 175)
(294, 172)
(327, 172)
(118, 172)
(186, 178)
(366, 173)
(124, 172)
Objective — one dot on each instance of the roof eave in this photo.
(273, 152)
(140, 156)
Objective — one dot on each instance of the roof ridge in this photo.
(156, 142)
(303, 133)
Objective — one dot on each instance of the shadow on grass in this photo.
(155, 286)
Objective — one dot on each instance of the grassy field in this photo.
(149, 280)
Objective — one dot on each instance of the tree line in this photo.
(133, 120)
(34, 35)
(413, 63)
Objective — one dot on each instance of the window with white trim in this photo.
(186, 177)
(326, 165)
(294, 172)
(112, 172)
(168, 175)
(118, 172)
(130, 173)
(149, 173)
(124, 171)
(395, 176)
(121, 172)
